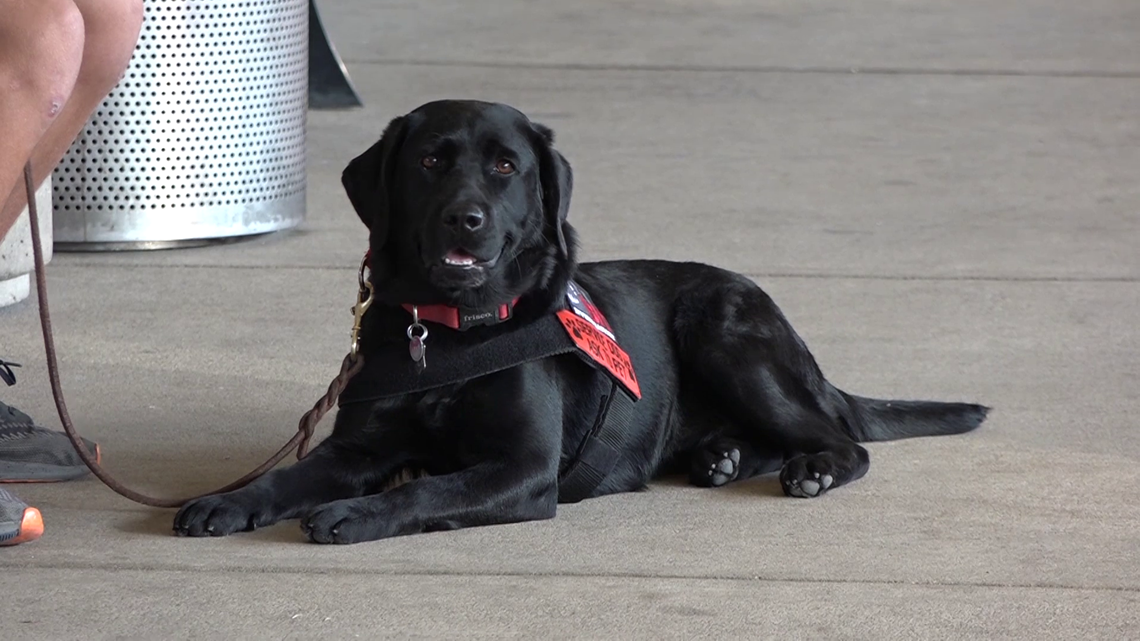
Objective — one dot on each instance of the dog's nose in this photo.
(470, 219)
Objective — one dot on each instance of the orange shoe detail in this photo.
(31, 528)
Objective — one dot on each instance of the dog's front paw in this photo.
(220, 515)
(808, 476)
(347, 521)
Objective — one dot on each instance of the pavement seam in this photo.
(756, 69)
(785, 275)
(237, 569)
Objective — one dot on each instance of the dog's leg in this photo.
(734, 339)
(719, 460)
(485, 494)
(335, 469)
(501, 467)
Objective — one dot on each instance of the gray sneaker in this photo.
(32, 454)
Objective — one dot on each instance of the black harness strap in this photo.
(389, 372)
(599, 451)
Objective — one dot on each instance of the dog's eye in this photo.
(505, 167)
(429, 162)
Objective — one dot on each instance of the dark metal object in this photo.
(329, 84)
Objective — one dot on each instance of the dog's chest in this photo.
(454, 358)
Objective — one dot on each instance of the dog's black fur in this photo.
(729, 390)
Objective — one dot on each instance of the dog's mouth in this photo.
(461, 269)
(462, 259)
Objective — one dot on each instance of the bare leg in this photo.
(60, 58)
(41, 47)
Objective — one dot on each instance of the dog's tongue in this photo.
(459, 257)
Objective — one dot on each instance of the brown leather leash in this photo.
(353, 362)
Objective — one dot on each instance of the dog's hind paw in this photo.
(808, 488)
(806, 477)
(713, 467)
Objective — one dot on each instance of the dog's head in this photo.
(466, 204)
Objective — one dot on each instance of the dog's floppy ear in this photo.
(557, 181)
(368, 178)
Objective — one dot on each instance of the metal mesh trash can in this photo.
(203, 139)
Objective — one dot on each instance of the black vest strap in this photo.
(599, 451)
(388, 371)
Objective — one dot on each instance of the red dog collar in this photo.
(457, 317)
(462, 317)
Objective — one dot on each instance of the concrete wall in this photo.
(16, 262)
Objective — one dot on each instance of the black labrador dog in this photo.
(466, 203)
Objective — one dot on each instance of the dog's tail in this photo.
(881, 420)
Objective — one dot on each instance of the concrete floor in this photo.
(943, 198)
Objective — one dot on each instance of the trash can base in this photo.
(149, 245)
(110, 230)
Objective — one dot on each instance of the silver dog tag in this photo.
(417, 345)
(417, 349)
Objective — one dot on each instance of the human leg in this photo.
(63, 57)
(58, 61)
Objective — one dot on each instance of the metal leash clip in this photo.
(363, 302)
